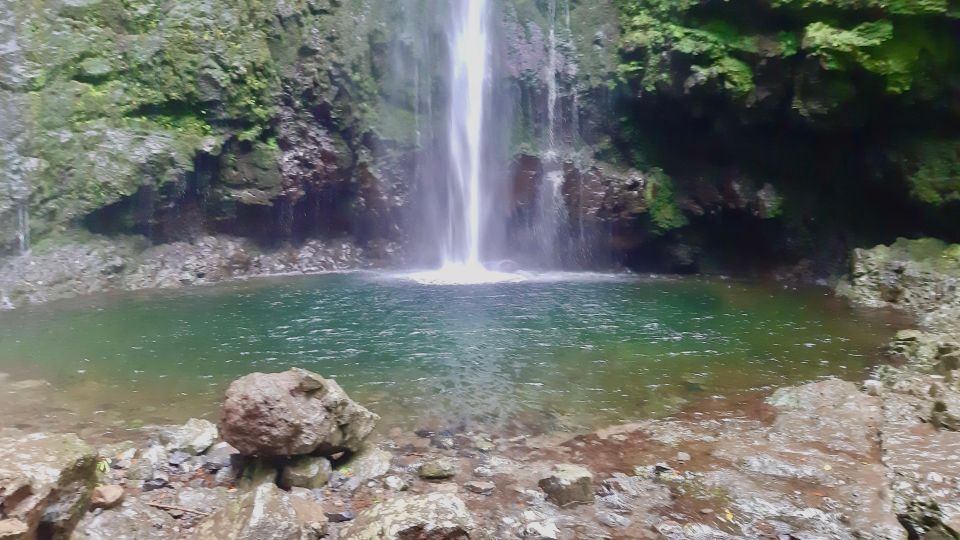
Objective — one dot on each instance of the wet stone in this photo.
(438, 469)
(568, 484)
(307, 472)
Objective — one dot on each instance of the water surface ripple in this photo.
(535, 355)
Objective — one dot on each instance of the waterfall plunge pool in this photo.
(570, 353)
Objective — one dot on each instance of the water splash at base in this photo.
(464, 274)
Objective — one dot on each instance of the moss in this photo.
(664, 212)
(686, 43)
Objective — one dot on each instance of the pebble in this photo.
(483, 472)
(106, 496)
(395, 483)
(438, 469)
(155, 483)
(683, 457)
(340, 516)
(482, 488)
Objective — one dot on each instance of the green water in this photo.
(565, 354)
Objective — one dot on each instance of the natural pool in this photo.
(575, 352)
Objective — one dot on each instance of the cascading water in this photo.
(552, 211)
(468, 73)
(23, 227)
(468, 77)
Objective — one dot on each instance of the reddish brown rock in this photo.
(296, 412)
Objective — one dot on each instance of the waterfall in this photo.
(468, 74)
(23, 227)
(552, 212)
(468, 181)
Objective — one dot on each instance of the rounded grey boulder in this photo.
(293, 413)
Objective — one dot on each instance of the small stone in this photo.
(483, 472)
(483, 444)
(438, 469)
(482, 488)
(683, 457)
(568, 484)
(106, 496)
(155, 483)
(873, 387)
(178, 458)
(395, 483)
(706, 511)
(306, 472)
(340, 516)
(614, 521)
(443, 442)
(542, 530)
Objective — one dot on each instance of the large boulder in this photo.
(437, 515)
(920, 276)
(296, 412)
(45, 481)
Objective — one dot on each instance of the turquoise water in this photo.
(562, 354)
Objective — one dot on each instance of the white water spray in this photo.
(23, 227)
(469, 73)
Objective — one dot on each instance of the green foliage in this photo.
(655, 32)
(686, 44)
(664, 211)
(933, 170)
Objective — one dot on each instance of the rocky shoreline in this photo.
(77, 267)
(829, 459)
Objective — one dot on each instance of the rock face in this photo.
(568, 484)
(45, 481)
(97, 264)
(292, 413)
(436, 515)
(919, 276)
(132, 520)
(267, 513)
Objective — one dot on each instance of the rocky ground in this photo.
(829, 459)
(92, 265)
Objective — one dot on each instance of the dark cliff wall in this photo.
(691, 135)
